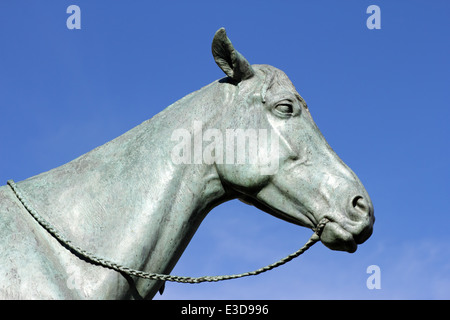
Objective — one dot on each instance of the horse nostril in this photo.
(361, 212)
(360, 204)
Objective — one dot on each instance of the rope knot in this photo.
(320, 226)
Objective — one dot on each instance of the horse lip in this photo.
(359, 235)
(346, 241)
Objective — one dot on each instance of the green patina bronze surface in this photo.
(128, 201)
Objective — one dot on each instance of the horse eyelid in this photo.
(295, 111)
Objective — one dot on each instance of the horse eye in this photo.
(285, 108)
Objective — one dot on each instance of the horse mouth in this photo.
(335, 237)
(345, 236)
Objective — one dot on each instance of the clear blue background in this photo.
(380, 97)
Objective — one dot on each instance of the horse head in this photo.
(295, 176)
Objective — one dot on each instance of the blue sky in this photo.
(380, 97)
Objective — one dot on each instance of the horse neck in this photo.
(126, 201)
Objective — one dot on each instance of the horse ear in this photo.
(229, 59)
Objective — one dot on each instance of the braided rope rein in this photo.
(150, 275)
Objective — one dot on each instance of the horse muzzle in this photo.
(344, 233)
